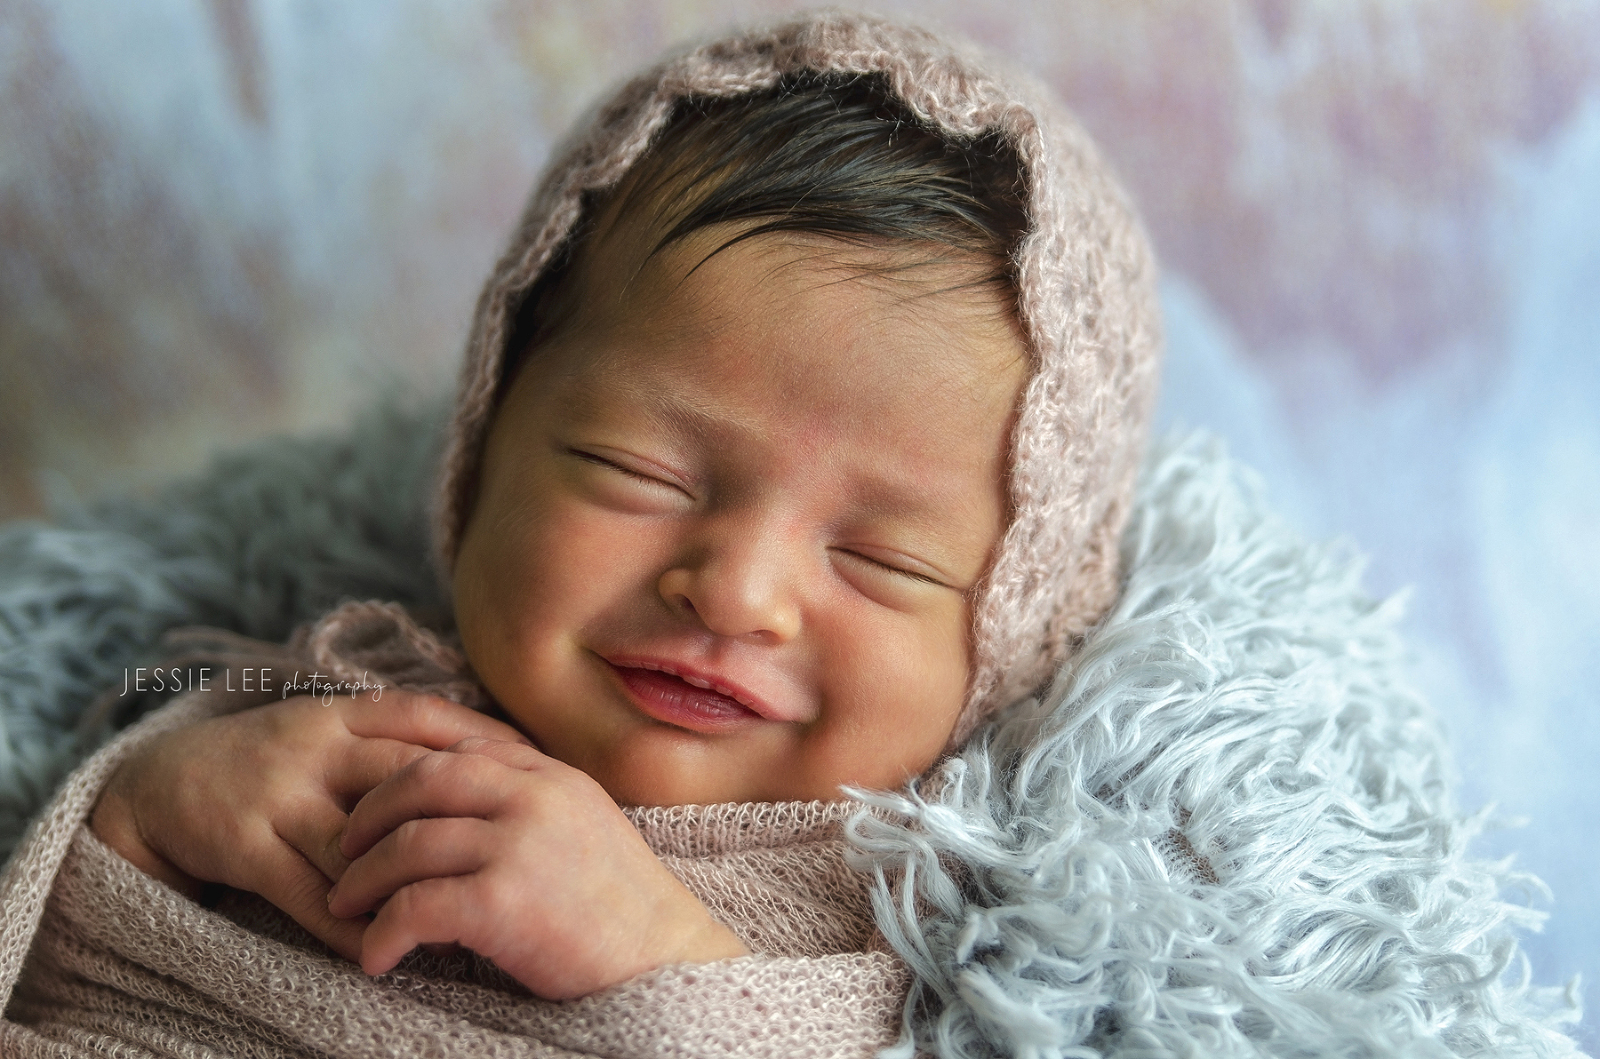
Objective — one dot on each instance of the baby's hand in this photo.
(524, 860)
(258, 799)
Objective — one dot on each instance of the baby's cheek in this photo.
(944, 667)
(896, 710)
(515, 573)
(501, 625)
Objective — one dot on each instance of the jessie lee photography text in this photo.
(317, 685)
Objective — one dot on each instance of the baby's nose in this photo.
(739, 587)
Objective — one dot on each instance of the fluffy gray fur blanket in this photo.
(1227, 829)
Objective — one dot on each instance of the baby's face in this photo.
(729, 518)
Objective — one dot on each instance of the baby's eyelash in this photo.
(902, 571)
(601, 461)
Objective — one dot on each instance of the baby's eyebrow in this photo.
(662, 408)
(685, 417)
(882, 496)
(878, 495)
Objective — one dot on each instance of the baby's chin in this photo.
(670, 770)
(660, 767)
(686, 780)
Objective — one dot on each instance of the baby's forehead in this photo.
(625, 271)
(706, 288)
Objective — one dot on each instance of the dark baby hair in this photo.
(821, 154)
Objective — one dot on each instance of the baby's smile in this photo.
(682, 696)
(730, 516)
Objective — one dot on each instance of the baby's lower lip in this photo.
(677, 702)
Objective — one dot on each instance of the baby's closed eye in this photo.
(891, 563)
(631, 473)
(601, 461)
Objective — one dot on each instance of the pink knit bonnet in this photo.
(1086, 294)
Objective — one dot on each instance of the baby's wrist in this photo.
(679, 935)
(711, 942)
(689, 933)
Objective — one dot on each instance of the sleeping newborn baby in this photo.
(796, 433)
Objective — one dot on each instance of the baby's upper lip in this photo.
(702, 676)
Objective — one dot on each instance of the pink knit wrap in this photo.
(1086, 286)
(99, 959)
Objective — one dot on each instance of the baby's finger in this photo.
(365, 764)
(427, 720)
(315, 829)
(416, 850)
(438, 785)
(430, 911)
(293, 884)
(513, 755)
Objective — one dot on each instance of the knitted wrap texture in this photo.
(1086, 296)
(98, 958)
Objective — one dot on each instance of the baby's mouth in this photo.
(685, 701)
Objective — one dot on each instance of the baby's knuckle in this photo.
(570, 787)
(299, 707)
(401, 907)
(408, 839)
(303, 719)
(418, 709)
(404, 706)
(420, 910)
(269, 723)
(431, 768)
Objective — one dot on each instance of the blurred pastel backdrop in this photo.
(1379, 220)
